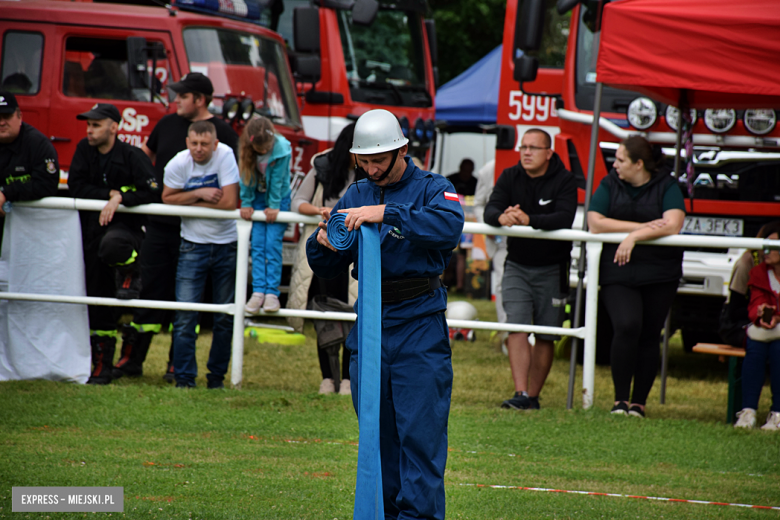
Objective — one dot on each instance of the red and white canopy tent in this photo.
(721, 53)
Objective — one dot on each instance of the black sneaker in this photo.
(636, 411)
(128, 285)
(620, 409)
(519, 402)
(181, 384)
(215, 385)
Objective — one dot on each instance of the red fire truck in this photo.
(62, 57)
(737, 184)
(355, 55)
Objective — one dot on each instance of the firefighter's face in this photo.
(10, 125)
(100, 131)
(202, 146)
(186, 105)
(376, 164)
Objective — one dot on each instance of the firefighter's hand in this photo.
(322, 236)
(357, 216)
(246, 213)
(107, 214)
(270, 215)
(623, 253)
(211, 195)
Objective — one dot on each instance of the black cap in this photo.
(8, 104)
(101, 111)
(193, 82)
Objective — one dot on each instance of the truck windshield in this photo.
(385, 61)
(244, 64)
(612, 100)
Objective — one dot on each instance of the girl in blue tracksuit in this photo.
(264, 163)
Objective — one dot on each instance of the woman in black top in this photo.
(638, 282)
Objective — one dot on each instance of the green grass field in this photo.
(278, 450)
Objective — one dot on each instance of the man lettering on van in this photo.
(160, 249)
(29, 169)
(105, 168)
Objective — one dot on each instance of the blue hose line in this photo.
(368, 489)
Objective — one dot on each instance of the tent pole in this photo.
(594, 141)
(668, 322)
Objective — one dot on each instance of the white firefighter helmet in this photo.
(377, 131)
(461, 311)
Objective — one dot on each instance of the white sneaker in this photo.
(254, 303)
(747, 418)
(345, 388)
(271, 303)
(328, 386)
(772, 421)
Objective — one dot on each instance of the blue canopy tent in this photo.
(471, 99)
(465, 108)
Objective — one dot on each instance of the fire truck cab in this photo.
(60, 58)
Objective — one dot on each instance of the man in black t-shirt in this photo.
(464, 181)
(160, 249)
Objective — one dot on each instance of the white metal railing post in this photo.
(244, 229)
(591, 318)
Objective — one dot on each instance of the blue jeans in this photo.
(196, 262)
(267, 249)
(757, 353)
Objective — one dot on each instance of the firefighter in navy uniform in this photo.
(105, 168)
(420, 222)
(29, 169)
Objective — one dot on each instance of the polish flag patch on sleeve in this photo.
(451, 196)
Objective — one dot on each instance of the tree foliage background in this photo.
(466, 30)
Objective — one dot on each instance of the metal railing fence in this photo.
(593, 251)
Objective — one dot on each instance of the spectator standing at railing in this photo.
(205, 175)
(29, 169)
(763, 338)
(105, 168)
(638, 282)
(160, 249)
(541, 193)
(264, 159)
(332, 173)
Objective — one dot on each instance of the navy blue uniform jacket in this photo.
(421, 228)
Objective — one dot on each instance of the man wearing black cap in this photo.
(160, 252)
(29, 169)
(105, 168)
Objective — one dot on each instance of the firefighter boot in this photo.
(128, 283)
(103, 348)
(135, 346)
(169, 375)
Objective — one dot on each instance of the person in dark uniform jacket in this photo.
(105, 168)
(29, 169)
(638, 282)
(161, 244)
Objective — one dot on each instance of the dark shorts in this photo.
(532, 296)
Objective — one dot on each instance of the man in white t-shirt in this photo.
(205, 174)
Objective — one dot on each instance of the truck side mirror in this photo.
(529, 25)
(364, 12)
(525, 68)
(138, 76)
(430, 28)
(306, 68)
(306, 29)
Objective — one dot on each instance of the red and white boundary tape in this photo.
(619, 495)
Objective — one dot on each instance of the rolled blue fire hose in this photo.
(368, 489)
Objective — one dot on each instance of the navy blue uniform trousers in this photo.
(416, 388)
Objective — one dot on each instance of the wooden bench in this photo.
(735, 376)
